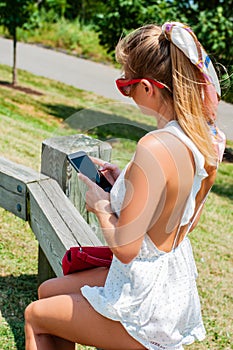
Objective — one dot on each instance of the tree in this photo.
(119, 16)
(60, 6)
(85, 10)
(15, 14)
(122, 16)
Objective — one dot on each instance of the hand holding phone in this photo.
(83, 164)
(110, 171)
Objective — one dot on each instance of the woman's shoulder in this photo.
(164, 138)
(167, 149)
(174, 140)
(153, 144)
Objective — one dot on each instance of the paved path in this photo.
(82, 74)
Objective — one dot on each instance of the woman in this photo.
(148, 299)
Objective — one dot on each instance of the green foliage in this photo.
(85, 10)
(71, 36)
(216, 31)
(71, 9)
(122, 16)
(118, 17)
(60, 6)
(16, 13)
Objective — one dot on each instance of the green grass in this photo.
(25, 121)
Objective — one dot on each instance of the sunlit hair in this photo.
(146, 53)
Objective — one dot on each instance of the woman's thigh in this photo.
(72, 283)
(71, 317)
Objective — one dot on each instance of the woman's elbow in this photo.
(124, 255)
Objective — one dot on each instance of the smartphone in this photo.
(83, 164)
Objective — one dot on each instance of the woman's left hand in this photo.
(97, 200)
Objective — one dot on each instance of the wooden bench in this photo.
(52, 201)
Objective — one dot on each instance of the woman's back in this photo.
(184, 175)
(187, 186)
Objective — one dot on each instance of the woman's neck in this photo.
(165, 114)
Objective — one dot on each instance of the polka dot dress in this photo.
(155, 296)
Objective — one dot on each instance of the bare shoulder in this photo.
(153, 142)
(167, 148)
(172, 156)
(151, 151)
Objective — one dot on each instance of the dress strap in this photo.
(176, 237)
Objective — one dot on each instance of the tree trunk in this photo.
(14, 71)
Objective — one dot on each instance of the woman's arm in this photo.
(145, 182)
(201, 196)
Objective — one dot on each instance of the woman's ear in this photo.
(148, 88)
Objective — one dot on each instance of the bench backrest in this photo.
(53, 201)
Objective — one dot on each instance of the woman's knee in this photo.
(34, 316)
(47, 289)
(31, 312)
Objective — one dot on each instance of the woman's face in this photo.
(151, 102)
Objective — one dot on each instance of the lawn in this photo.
(48, 110)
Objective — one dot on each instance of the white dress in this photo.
(155, 296)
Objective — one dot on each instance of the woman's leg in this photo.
(72, 318)
(70, 284)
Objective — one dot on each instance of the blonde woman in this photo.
(148, 299)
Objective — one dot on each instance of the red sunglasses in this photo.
(124, 85)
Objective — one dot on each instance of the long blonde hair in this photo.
(146, 53)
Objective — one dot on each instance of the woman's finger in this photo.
(109, 166)
(112, 170)
(86, 180)
(103, 164)
(97, 161)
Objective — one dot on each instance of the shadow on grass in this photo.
(20, 88)
(223, 190)
(103, 124)
(16, 294)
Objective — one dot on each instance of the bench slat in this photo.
(13, 186)
(56, 222)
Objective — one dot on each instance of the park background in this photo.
(35, 108)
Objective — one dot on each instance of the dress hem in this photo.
(147, 344)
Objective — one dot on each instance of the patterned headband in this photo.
(184, 38)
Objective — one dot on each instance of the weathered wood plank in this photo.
(81, 231)
(13, 186)
(45, 270)
(54, 164)
(56, 222)
(56, 149)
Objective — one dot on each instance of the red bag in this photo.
(83, 258)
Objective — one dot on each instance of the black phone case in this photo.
(83, 164)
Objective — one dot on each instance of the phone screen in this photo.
(83, 164)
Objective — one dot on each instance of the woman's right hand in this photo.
(110, 171)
